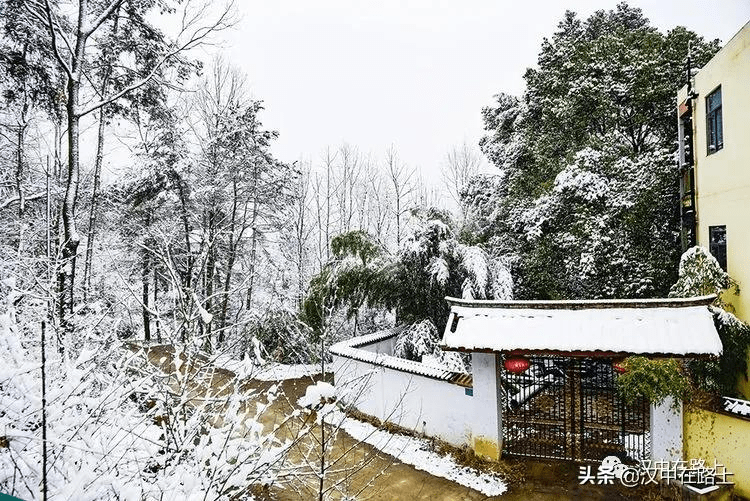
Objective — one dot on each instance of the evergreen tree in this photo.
(586, 199)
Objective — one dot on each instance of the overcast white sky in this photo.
(412, 73)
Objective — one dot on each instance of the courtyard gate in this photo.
(568, 408)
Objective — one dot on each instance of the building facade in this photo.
(714, 138)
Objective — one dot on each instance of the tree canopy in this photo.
(587, 178)
(431, 263)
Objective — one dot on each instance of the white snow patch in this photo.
(271, 371)
(416, 452)
(206, 317)
(279, 372)
(317, 393)
(256, 351)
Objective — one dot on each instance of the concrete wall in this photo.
(726, 439)
(393, 390)
(423, 404)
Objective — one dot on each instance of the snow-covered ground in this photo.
(278, 372)
(272, 371)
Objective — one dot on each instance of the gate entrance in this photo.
(568, 408)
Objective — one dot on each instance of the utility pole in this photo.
(44, 418)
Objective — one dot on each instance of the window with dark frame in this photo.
(717, 241)
(714, 127)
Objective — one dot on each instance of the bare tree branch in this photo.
(224, 21)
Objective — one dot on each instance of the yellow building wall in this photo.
(722, 179)
(718, 437)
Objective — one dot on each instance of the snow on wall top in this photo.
(352, 348)
(654, 327)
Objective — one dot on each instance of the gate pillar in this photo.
(487, 425)
(666, 431)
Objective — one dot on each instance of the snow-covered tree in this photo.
(433, 263)
(586, 199)
(430, 265)
(700, 274)
(113, 423)
(419, 342)
(610, 221)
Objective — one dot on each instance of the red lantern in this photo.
(619, 366)
(516, 365)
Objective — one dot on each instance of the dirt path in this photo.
(532, 481)
(358, 469)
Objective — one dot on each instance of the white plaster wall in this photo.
(426, 405)
(384, 346)
(666, 431)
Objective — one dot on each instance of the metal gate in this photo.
(567, 408)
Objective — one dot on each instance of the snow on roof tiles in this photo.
(677, 327)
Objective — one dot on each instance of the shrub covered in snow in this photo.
(283, 337)
(701, 274)
(416, 341)
(118, 428)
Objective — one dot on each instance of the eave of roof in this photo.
(584, 304)
(575, 354)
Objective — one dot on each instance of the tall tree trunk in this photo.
(20, 138)
(145, 276)
(71, 239)
(208, 277)
(230, 265)
(58, 149)
(93, 209)
(155, 303)
(254, 241)
(44, 414)
(98, 166)
(398, 222)
(227, 283)
(253, 256)
(301, 255)
(328, 211)
(48, 241)
(186, 275)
